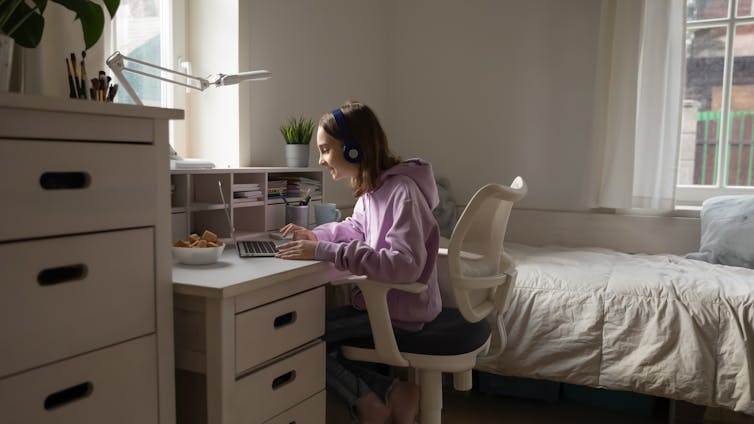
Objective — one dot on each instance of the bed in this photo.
(608, 317)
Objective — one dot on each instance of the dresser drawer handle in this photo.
(68, 395)
(64, 180)
(61, 274)
(284, 379)
(285, 319)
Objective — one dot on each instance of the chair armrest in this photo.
(443, 251)
(375, 296)
(480, 283)
(406, 287)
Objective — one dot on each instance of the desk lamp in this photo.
(116, 62)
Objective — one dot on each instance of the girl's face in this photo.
(331, 157)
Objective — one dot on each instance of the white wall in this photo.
(321, 53)
(489, 89)
(484, 89)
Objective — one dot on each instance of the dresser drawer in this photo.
(51, 188)
(113, 385)
(271, 390)
(65, 296)
(310, 411)
(267, 331)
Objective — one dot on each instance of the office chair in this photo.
(482, 277)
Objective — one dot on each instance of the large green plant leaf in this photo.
(25, 25)
(91, 16)
(112, 6)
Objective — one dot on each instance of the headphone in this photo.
(351, 150)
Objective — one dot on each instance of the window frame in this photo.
(694, 195)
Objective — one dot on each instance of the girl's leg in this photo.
(401, 397)
(363, 403)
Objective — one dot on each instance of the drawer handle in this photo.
(285, 319)
(64, 180)
(283, 380)
(68, 395)
(61, 274)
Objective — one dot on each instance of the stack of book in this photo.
(247, 192)
(299, 186)
(276, 188)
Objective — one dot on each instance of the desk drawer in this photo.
(65, 296)
(113, 385)
(268, 331)
(310, 411)
(271, 390)
(52, 188)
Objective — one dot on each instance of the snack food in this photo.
(207, 239)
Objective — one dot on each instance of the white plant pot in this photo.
(6, 58)
(297, 155)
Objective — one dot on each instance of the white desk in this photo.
(247, 340)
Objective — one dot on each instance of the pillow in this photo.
(445, 212)
(727, 231)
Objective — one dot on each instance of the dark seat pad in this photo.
(448, 334)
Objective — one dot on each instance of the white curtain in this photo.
(638, 104)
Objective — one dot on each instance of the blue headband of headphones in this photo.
(351, 150)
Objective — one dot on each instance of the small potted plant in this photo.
(297, 133)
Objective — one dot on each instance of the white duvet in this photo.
(655, 324)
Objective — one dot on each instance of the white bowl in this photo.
(198, 255)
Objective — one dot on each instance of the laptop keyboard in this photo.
(256, 248)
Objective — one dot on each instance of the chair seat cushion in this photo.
(448, 334)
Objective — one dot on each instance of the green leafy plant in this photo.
(297, 130)
(23, 20)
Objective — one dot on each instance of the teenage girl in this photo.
(391, 236)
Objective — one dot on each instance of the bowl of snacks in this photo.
(198, 250)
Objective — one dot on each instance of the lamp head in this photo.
(223, 79)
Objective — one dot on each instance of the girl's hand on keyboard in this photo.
(298, 249)
(298, 232)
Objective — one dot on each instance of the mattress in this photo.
(656, 324)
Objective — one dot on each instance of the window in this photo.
(717, 142)
(155, 32)
(141, 30)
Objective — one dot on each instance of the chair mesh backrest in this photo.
(476, 249)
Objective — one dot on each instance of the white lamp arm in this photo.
(116, 62)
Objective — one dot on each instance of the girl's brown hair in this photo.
(365, 130)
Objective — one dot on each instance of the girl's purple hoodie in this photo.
(392, 236)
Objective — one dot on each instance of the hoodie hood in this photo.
(419, 171)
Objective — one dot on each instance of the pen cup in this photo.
(326, 212)
(298, 215)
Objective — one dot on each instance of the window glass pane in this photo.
(740, 152)
(706, 9)
(137, 34)
(700, 136)
(745, 8)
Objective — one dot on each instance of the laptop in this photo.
(256, 248)
(247, 248)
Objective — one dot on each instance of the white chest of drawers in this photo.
(85, 284)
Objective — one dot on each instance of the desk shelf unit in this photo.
(196, 204)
